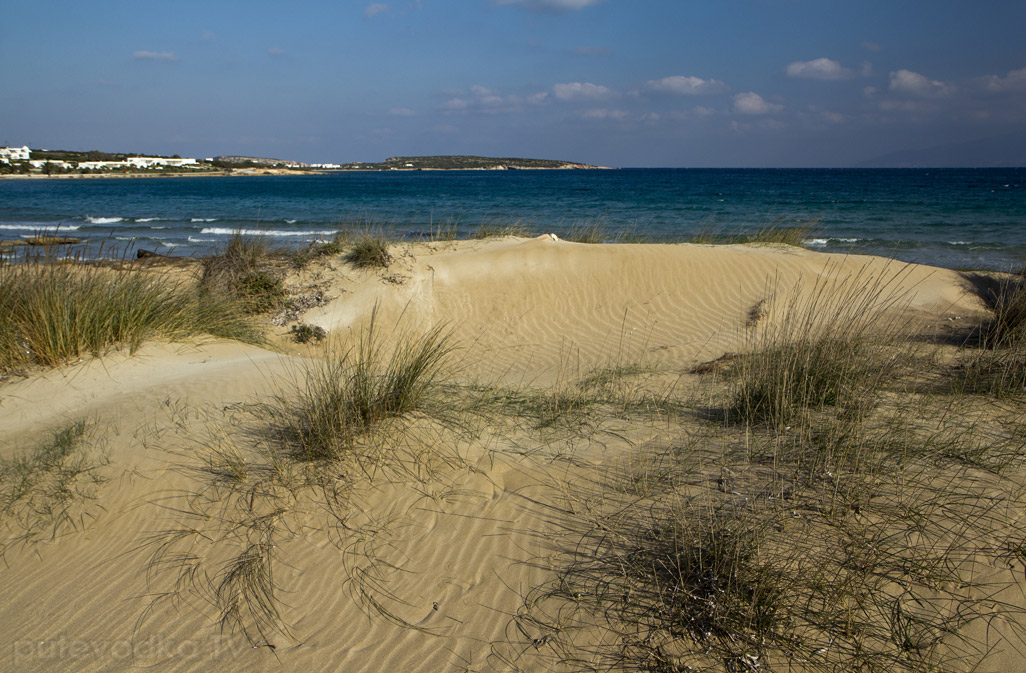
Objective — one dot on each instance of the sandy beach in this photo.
(578, 402)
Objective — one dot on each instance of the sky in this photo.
(691, 83)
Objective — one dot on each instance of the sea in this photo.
(949, 217)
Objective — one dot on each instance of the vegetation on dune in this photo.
(819, 530)
(308, 443)
(44, 490)
(822, 350)
(370, 251)
(998, 365)
(240, 270)
(775, 232)
(806, 508)
(355, 389)
(54, 312)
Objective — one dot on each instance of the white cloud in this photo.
(549, 5)
(154, 56)
(686, 85)
(374, 9)
(751, 103)
(572, 91)
(871, 46)
(603, 114)
(276, 51)
(914, 84)
(820, 68)
(538, 98)
(1015, 80)
(486, 96)
(480, 99)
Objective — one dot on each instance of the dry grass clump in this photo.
(299, 459)
(356, 388)
(999, 365)
(744, 557)
(371, 250)
(43, 491)
(54, 312)
(775, 232)
(492, 229)
(822, 532)
(240, 270)
(821, 351)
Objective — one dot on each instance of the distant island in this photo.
(25, 162)
(468, 163)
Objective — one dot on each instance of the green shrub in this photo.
(369, 251)
(304, 333)
(260, 291)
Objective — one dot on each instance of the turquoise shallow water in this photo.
(946, 217)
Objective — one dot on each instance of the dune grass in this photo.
(822, 350)
(369, 251)
(494, 229)
(998, 364)
(354, 389)
(298, 457)
(774, 232)
(818, 531)
(240, 270)
(54, 312)
(44, 490)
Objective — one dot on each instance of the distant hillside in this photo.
(463, 162)
(249, 162)
(1000, 151)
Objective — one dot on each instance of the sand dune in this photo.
(448, 547)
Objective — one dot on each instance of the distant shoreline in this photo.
(271, 172)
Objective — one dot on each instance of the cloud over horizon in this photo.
(154, 56)
(1015, 80)
(686, 85)
(820, 68)
(914, 84)
(582, 91)
(751, 103)
(549, 5)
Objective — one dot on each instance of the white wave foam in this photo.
(203, 219)
(960, 242)
(820, 242)
(291, 221)
(227, 231)
(148, 219)
(39, 227)
(103, 220)
(193, 239)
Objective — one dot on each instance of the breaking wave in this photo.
(39, 227)
(227, 231)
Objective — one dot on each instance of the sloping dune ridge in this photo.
(429, 556)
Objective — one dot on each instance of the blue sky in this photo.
(613, 82)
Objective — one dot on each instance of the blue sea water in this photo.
(946, 217)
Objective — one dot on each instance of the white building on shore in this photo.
(9, 154)
(152, 162)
